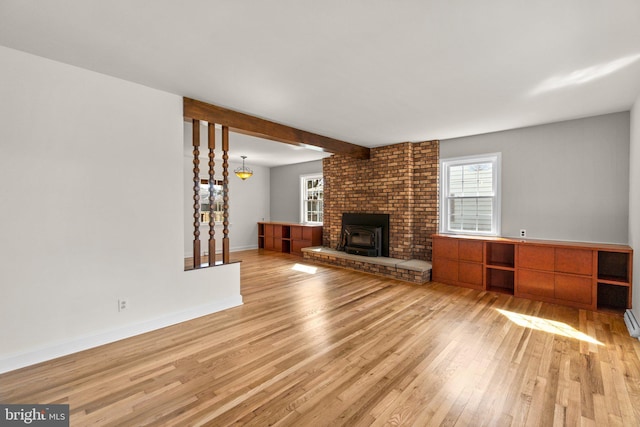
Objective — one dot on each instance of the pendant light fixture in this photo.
(243, 172)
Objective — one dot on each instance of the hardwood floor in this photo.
(337, 347)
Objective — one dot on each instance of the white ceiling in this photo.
(370, 72)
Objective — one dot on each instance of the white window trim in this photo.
(303, 179)
(496, 222)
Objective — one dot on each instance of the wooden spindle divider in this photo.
(225, 192)
(195, 111)
(196, 193)
(212, 181)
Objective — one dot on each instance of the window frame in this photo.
(303, 197)
(445, 164)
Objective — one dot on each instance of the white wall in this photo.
(561, 181)
(248, 199)
(91, 184)
(285, 196)
(634, 204)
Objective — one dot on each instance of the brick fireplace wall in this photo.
(400, 180)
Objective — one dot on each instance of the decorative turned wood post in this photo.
(196, 193)
(212, 181)
(225, 192)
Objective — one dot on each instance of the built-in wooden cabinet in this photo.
(557, 274)
(461, 261)
(583, 275)
(288, 237)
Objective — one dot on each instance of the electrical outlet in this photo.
(123, 304)
(523, 233)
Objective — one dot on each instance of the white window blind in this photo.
(470, 202)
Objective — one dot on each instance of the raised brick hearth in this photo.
(400, 180)
(415, 271)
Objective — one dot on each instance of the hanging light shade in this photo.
(243, 172)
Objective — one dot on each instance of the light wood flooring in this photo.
(337, 347)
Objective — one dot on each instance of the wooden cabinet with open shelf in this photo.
(288, 237)
(613, 280)
(582, 275)
(500, 267)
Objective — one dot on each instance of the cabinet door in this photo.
(536, 257)
(296, 232)
(445, 270)
(470, 250)
(268, 230)
(297, 245)
(536, 283)
(316, 236)
(470, 273)
(307, 233)
(576, 261)
(446, 248)
(268, 243)
(574, 288)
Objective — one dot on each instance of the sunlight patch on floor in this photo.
(545, 325)
(305, 268)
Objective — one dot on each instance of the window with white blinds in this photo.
(470, 195)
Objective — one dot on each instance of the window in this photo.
(312, 198)
(471, 195)
(205, 203)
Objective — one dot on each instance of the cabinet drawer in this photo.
(470, 273)
(536, 257)
(536, 283)
(470, 251)
(446, 248)
(576, 261)
(574, 288)
(445, 270)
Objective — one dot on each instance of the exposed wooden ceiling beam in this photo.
(254, 126)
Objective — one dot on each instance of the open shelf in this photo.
(613, 297)
(613, 267)
(500, 255)
(500, 280)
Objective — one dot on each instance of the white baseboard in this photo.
(242, 248)
(632, 324)
(20, 360)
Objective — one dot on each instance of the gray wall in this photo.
(561, 181)
(285, 189)
(634, 203)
